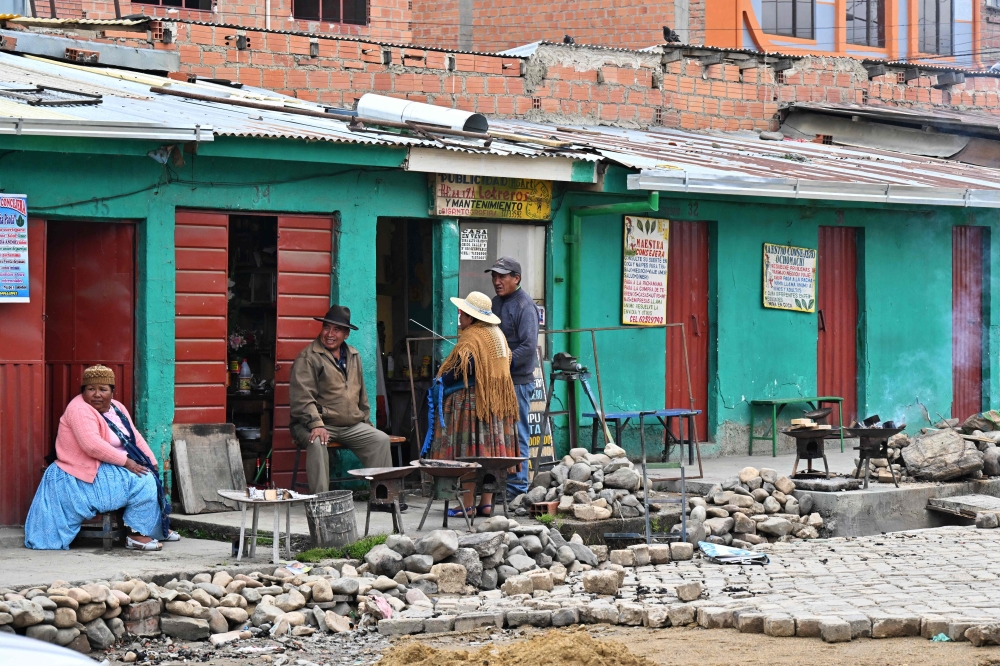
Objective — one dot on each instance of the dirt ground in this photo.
(724, 647)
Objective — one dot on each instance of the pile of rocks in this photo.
(589, 486)
(442, 561)
(395, 582)
(755, 507)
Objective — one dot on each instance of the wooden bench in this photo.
(108, 527)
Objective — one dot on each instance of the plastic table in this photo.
(664, 416)
(241, 497)
(779, 404)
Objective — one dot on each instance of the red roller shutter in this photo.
(967, 321)
(304, 267)
(202, 255)
(687, 303)
(22, 389)
(837, 304)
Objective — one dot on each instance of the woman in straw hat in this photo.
(102, 464)
(478, 407)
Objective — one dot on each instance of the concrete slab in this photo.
(885, 508)
(966, 505)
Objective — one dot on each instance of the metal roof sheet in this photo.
(742, 163)
(971, 120)
(127, 99)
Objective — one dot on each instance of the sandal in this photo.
(483, 509)
(173, 536)
(455, 513)
(152, 544)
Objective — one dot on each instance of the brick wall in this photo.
(502, 24)
(389, 20)
(557, 84)
(989, 35)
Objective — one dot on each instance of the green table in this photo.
(778, 404)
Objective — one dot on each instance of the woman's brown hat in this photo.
(98, 374)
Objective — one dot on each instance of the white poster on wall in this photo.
(789, 278)
(644, 271)
(472, 244)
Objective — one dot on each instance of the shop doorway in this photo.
(251, 340)
(837, 317)
(262, 279)
(968, 248)
(687, 304)
(405, 291)
(89, 310)
(483, 242)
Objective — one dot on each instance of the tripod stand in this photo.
(565, 368)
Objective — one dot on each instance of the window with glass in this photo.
(866, 22)
(354, 12)
(204, 5)
(935, 26)
(790, 18)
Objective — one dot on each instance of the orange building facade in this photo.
(940, 32)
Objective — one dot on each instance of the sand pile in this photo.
(555, 648)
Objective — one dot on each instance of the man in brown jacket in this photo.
(329, 402)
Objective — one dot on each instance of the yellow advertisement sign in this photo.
(456, 195)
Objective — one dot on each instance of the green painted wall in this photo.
(101, 185)
(904, 282)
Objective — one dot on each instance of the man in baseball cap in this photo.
(519, 324)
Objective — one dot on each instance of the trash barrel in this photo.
(331, 519)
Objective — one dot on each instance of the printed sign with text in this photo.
(789, 278)
(492, 197)
(14, 278)
(644, 271)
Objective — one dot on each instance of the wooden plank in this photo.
(303, 222)
(238, 476)
(191, 415)
(201, 350)
(202, 218)
(200, 327)
(199, 395)
(287, 350)
(201, 259)
(294, 305)
(297, 261)
(182, 474)
(201, 304)
(315, 240)
(200, 372)
(300, 328)
(201, 282)
(304, 283)
(200, 236)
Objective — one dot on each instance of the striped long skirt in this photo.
(464, 435)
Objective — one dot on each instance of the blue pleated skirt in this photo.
(62, 502)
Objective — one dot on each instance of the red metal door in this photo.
(89, 310)
(966, 321)
(304, 265)
(22, 389)
(687, 303)
(837, 305)
(202, 256)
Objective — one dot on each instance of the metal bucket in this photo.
(331, 519)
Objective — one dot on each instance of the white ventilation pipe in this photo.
(380, 107)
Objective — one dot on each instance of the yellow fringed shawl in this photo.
(485, 345)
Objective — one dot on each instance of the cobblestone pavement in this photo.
(930, 577)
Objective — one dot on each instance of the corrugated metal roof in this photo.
(970, 120)
(741, 163)
(127, 99)
(67, 22)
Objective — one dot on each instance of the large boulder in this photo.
(439, 544)
(625, 478)
(941, 456)
(384, 561)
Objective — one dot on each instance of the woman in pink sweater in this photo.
(102, 464)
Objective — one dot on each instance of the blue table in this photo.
(664, 416)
